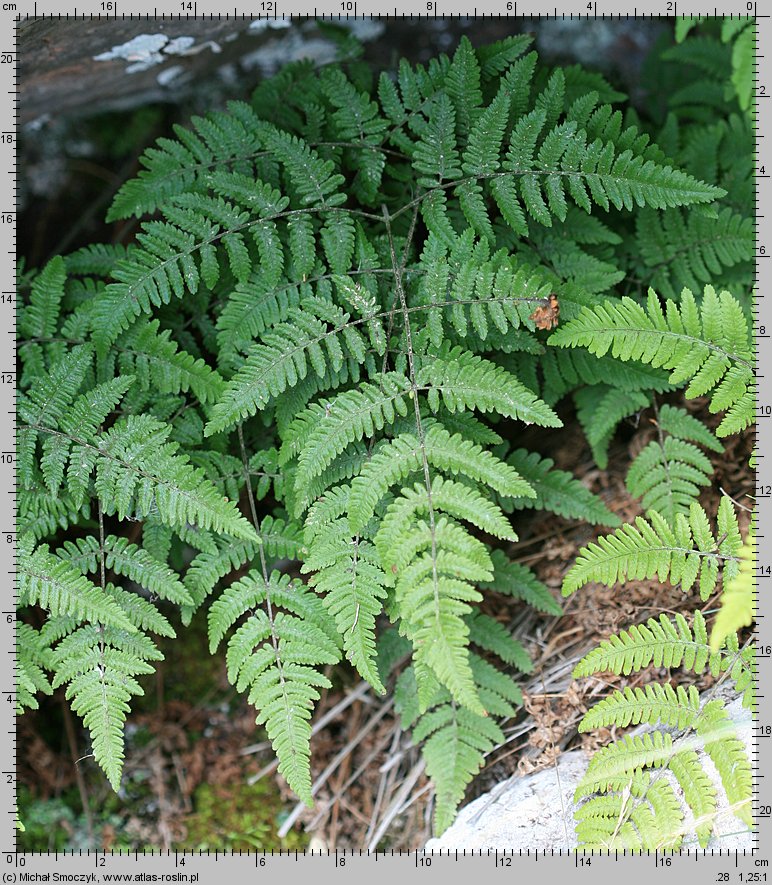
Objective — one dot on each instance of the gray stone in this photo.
(536, 810)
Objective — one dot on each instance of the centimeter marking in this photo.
(753, 863)
(95, 10)
(9, 197)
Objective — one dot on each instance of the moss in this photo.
(238, 817)
(48, 823)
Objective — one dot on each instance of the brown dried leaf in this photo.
(547, 316)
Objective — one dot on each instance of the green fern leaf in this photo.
(557, 491)
(347, 418)
(154, 360)
(46, 580)
(40, 318)
(652, 704)
(33, 659)
(347, 572)
(668, 472)
(461, 380)
(737, 606)
(707, 345)
(395, 461)
(681, 553)
(661, 642)
(514, 579)
(127, 559)
(274, 654)
(139, 472)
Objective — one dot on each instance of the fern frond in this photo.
(209, 566)
(149, 355)
(649, 705)
(567, 370)
(660, 642)
(348, 417)
(681, 553)
(493, 636)
(461, 380)
(667, 473)
(727, 751)
(447, 496)
(127, 559)
(437, 564)
(707, 345)
(436, 157)
(456, 740)
(394, 461)
(737, 603)
(46, 580)
(281, 538)
(600, 409)
(346, 571)
(514, 579)
(99, 665)
(40, 514)
(172, 166)
(557, 491)
(618, 771)
(687, 250)
(33, 659)
(139, 472)
(40, 317)
(275, 654)
(316, 336)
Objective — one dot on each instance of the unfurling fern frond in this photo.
(276, 653)
(621, 803)
(667, 473)
(680, 553)
(707, 345)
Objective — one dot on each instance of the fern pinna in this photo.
(321, 349)
(638, 791)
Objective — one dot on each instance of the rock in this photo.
(79, 67)
(536, 811)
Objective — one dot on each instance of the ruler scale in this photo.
(381, 867)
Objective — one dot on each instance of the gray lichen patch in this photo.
(147, 50)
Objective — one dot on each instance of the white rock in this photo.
(536, 810)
